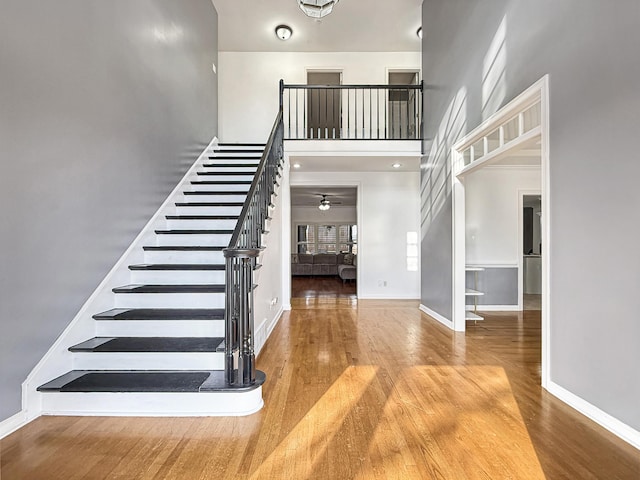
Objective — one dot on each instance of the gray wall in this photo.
(499, 285)
(103, 107)
(589, 49)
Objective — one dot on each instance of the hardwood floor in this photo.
(322, 286)
(355, 390)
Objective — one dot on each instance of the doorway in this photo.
(324, 242)
(402, 105)
(531, 265)
(324, 105)
(522, 124)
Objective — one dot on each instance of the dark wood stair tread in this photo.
(149, 345)
(241, 144)
(131, 381)
(169, 314)
(209, 204)
(213, 192)
(177, 267)
(186, 248)
(230, 165)
(135, 288)
(222, 182)
(246, 174)
(194, 232)
(201, 217)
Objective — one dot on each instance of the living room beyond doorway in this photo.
(324, 242)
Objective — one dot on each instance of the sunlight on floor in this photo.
(307, 443)
(467, 410)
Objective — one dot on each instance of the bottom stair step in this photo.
(150, 344)
(137, 381)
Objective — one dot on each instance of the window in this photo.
(321, 238)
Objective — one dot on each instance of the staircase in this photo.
(160, 349)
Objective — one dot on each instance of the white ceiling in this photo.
(354, 26)
(354, 164)
(311, 196)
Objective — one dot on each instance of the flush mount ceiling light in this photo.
(396, 165)
(419, 33)
(283, 32)
(317, 8)
(324, 203)
(296, 165)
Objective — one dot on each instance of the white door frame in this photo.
(286, 227)
(538, 92)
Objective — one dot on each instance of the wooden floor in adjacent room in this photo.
(355, 390)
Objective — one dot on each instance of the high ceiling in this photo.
(354, 26)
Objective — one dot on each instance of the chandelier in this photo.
(317, 8)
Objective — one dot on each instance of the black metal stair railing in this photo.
(240, 261)
(352, 112)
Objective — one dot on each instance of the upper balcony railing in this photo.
(351, 112)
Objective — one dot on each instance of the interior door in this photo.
(324, 106)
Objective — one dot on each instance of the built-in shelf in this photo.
(470, 292)
(471, 313)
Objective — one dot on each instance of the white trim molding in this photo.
(615, 426)
(436, 316)
(13, 423)
(537, 93)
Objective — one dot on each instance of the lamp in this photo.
(283, 32)
(317, 8)
(324, 204)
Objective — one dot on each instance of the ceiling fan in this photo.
(325, 204)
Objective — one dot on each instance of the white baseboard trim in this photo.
(13, 423)
(436, 316)
(497, 308)
(274, 322)
(287, 307)
(615, 426)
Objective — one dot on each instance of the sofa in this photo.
(324, 264)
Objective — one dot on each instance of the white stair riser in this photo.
(243, 188)
(216, 210)
(177, 277)
(153, 404)
(240, 197)
(160, 328)
(205, 168)
(169, 300)
(201, 224)
(223, 178)
(193, 240)
(183, 257)
(148, 361)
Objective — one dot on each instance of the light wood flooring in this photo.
(355, 390)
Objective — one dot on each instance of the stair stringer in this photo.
(58, 358)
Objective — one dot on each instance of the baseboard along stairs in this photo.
(160, 349)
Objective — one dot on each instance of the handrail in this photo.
(352, 86)
(240, 260)
(352, 112)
